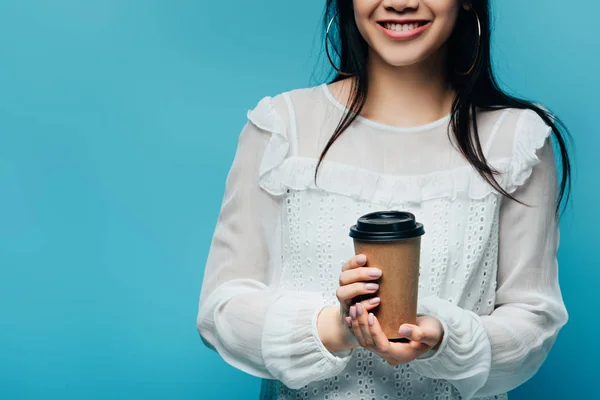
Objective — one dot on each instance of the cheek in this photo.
(365, 6)
(445, 22)
(446, 12)
(363, 9)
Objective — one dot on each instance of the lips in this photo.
(403, 29)
(402, 26)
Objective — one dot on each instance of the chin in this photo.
(405, 57)
(402, 60)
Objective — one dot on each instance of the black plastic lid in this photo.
(385, 226)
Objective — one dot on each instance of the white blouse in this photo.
(488, 268)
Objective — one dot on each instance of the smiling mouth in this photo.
(392, 26)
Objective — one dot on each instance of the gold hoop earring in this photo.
(478, 46)
(327, 48)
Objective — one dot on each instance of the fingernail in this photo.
(353, 312)
(405, 331)
(359, 309)
(349, 322)
(374, 300)
(371, 319)
(361, 259)
(374, 273)
(372, 286)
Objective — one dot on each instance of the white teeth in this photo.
(400, 27)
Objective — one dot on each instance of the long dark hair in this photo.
(476, 91)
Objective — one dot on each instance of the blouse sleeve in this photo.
(492, 354)
(254, 326)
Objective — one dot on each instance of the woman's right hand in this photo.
(332, 322)
(355, 280)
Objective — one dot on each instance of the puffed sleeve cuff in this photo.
(291, 347)
(464, 356)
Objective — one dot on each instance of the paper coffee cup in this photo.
(391, 240)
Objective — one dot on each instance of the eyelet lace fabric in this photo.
(488, 266)
(463, 272)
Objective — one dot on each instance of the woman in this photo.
(415, 121)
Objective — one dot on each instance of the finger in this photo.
(357, 261)
(363, 323)
(359, 275)
(370, 304)
(355, 326)
(349, 322)
(381, 342)
(432, 328)
(428, 331)
(417, 334)
(348, 292)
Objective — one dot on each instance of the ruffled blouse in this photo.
(488, 268)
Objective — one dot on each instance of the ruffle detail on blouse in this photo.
(265, 117)
(298, 173)
(531, 134)
(280, 172)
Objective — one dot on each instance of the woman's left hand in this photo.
(427, 334)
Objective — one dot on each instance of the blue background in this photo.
(118, 124)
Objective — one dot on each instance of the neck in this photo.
(408, 96)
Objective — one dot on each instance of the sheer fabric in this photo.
(488, 269)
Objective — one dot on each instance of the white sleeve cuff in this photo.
(464, 356)
(291, 347)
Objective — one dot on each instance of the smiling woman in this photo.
(419, 124)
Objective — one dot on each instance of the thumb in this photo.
(430, 329)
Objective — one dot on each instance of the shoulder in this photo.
(285, 110)
(515, 141)
(503, 130)
(281, 101)
(276, 116)
(509, 120)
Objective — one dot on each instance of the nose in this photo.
(400, 6)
